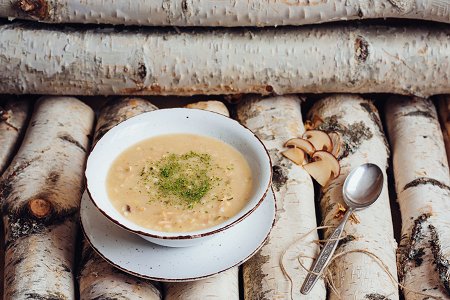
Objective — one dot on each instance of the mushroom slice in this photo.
(319, 170)
(336, 141)
(319, 139)
(302, 144)
(332, 162)
(324, 167)
(294, 154)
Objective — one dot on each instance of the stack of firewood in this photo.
(44, 144)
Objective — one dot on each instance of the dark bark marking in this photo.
(34, 8)
(22, 222)
(346, 240)
(109, 297)
(373, 113)
(442, 263)
(408, 252)
(256, 277)
(68, 138)
(420, 113)
(424, 181)
(352, 135)
(142, 71)
(6, 183)
(52, 178)
(375, 296)
(400, 5)
(184, 7)
(50, 296)
(360, 13)
(66, 268)
(279, 177)
(361, 49)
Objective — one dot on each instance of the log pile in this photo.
(280, 81)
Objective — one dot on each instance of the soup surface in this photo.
(179, 182)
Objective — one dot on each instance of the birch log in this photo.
(40, 194)
(323, 59)
(275, 120)
(98, 279)
(226, 282)
(422, 180)
(444, 112)
(357, 275)
(14, 114)
(221, 13)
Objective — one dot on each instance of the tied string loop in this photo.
(327, 275)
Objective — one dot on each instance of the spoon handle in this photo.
(324, 256)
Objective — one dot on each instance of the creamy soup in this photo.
(179, 182)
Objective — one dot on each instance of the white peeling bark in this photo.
(357, 275)
(275, 120)
(224, 285)
(221, 13)
(422, 181)
(444, 112)
(322, 59)
(98, 279)
(40, 194)
(14, 114)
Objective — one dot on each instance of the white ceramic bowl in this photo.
(169, 121)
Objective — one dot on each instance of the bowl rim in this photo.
(188, 235)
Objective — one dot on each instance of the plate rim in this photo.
(162, 279)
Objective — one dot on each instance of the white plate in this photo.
(139, 257)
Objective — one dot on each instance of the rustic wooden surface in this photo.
(165, 102)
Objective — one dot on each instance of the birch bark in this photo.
(40, 193)
(323, 59)
(357, 275)
(14, 114)
(275, 120)
(98, 279)
(422, 181)
(221, 13)
(444, 112)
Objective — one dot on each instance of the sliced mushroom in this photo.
(332, 162)
(294, 154)
(336, 141)
(319, 139)
(324, 167)
(302, 144)
(320, 171)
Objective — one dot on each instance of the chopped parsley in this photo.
(185, 177)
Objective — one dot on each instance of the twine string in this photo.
(327, 275)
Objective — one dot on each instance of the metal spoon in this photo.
(362, 187)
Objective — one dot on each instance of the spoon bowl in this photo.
(363, 186)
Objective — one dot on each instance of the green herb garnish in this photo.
(184, 176)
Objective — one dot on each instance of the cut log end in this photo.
(40, 208)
